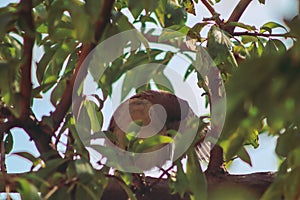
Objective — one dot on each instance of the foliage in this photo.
(261, 76)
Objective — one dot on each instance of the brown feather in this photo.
(138, 107)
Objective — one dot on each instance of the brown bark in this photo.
(256, 183)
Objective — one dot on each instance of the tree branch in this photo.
(41, 135)
(103, 18)
(6, 126)
(26, 85)
(256, 183)
(213, 12)
(236, 14)
(66, 100)
(216, 161)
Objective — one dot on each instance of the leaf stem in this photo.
(213, 12)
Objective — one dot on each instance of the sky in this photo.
(263, 158)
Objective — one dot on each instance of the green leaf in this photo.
(128, 191)
(287, 142)
(244, 156)
(95, 115)
(8, 142)
(79, 142)
(81, 21)
(269, 26)
(144, 145)
(135, 7)
(172, 32)
(58, 91)
(59, 24)
(84, 170)
(242, 25)
(8, 18)
(174, 14)
(53, 60)
(274, 47)
(36, 92)
(51, 167)
(253, 51)
(93, 189)
(123, 24)
(144, 19)
(163, 83)
(26, 155)
(293, 158)
(10, 85)
(126, 177)
(253, 139)
(180, 183)
(160, 11)
(194, 32)
(141, 73)
(189, 6)
(232, 144)
(72, 60)
(247, 39)
(189, 71)
(84, 191)
(280, 46)
(61, 193)
(196, 179)
(92, 9)
(292, 184)
(233, 63)
(218, 44)
(260, 47)
(10, 48)
(27, 190)
(43, 63)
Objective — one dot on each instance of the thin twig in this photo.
(7, 191)
(165, 172)
(236, 14)
(262, 34)
(26, 85)
(213, 12)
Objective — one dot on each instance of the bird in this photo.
(156, 113)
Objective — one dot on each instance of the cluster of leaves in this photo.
(267, 102)
(262, 90)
